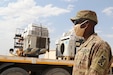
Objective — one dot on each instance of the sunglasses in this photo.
(78, 21)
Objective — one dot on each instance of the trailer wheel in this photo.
(56, 71)
(14, 71)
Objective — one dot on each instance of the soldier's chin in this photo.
(79, 36)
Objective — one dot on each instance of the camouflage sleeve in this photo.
(100, 60)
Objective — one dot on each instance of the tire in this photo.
(14, 71)
(56, 71)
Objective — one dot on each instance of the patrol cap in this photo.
(86, 14)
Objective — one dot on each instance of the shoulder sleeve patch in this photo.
(102, 61)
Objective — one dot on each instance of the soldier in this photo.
(94, 55)
(19, 52)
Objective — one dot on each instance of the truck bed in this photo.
(34, 60)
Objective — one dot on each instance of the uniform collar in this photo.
(89, 39)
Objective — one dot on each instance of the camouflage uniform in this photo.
(94, 55)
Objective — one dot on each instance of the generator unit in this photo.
(66, 46)
(36, 36)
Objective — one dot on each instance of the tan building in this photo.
(50, 55)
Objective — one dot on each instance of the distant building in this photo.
(50, 55)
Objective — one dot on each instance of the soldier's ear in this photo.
(88, 24)
(84, 24)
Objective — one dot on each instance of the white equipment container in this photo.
(66, 45)
(36, 36)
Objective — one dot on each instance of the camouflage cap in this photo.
(86, 14)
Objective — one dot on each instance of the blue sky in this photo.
(55, 14)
